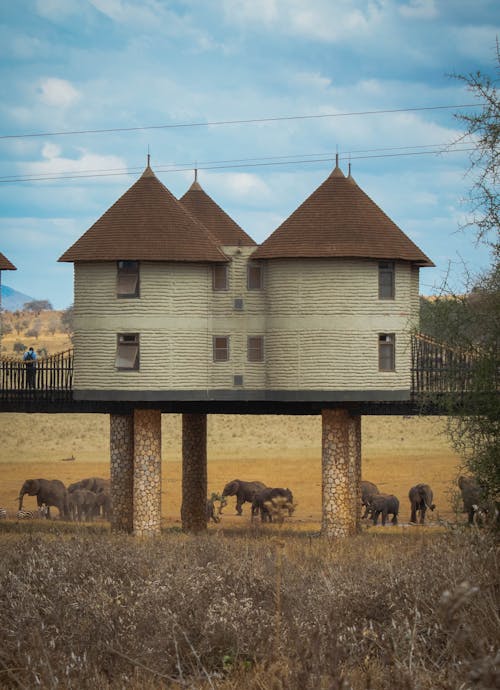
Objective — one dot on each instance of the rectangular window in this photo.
(386, 352)
(221, 348)
(255, 348)
(127, 351)
(254, 276)
(386, 283)
(127, 279)
(219, 277)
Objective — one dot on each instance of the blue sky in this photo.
(74, 65)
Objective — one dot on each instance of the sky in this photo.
(259, 95)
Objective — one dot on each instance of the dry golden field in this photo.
(278, 450)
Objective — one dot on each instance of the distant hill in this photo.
(13, 300)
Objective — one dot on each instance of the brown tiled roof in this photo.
(220, 225)
(147, 223)
(5, 264)
(340, 220)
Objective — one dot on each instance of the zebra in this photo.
(38, 514)
(3, 514)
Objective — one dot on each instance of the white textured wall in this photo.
(323, 322)
(320, 319)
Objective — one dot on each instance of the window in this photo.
(386, 287)
(221, 348)
(254, 276)
(127, 280)
(127, 352)
(255, 348)
(386, 352)
(219, 277)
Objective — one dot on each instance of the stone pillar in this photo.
(341, 469)
(355, 467)
(147, 472)
(194, 472)
(121, 436)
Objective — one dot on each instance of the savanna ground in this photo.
(245, 606)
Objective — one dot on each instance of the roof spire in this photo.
(337, 172)
(147, 171)
(196, 184)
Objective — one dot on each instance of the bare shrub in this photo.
(81, 608)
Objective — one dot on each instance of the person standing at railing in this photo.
(30, 358)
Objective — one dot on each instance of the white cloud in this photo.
(320, 20)
(55, 164)
(314, 80)
(155, 17)
(58, 93)
(419, 9)
(240, 186)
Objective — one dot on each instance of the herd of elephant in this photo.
(375, 503)
(90, 498)
(82, 501)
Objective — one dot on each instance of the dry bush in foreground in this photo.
(84, 609)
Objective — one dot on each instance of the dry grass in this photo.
(279, 450)
(81, 609)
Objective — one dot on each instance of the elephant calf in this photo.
(82, 505)
(420, 499)
(263, 502)
(384, 504)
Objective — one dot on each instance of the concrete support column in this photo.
(194, 472)
(147, 472)
(121, 435)
(355, 446)
(341, 469)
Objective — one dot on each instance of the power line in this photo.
(243, 163)
(165, 167)
(237, 122)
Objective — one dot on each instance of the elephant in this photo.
(103, 504)
(50, 492)
(471, 496)
(82, 505)
(244, 492)
(420, 499)
(368, 489)
(265, 496)
(385, 504)
(95, 484)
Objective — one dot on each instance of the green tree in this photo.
(38, 305)
(471, 321)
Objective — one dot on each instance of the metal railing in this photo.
(46, 378)
(439, 368)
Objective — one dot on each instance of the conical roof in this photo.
(147, 223)
(5, 264)
(340, 220)
(217, 221)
